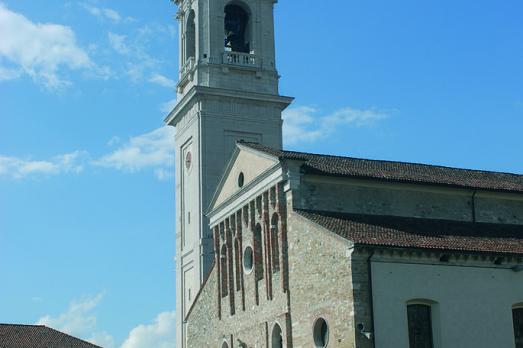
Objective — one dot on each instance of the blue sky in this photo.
(86, 184)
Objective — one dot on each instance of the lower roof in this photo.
(404, 232)
(38, 336)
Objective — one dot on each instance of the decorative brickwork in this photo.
(248, 302)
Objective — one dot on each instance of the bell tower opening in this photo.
(237, 29)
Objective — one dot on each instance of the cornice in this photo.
(200, 91)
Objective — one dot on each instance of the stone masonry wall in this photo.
(324, 282)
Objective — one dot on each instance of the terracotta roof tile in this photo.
(399, 171)
(401, 232)
(37, 336)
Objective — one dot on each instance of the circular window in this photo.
(188, 160)
(248, 259)
(241, 179)
(321, 333)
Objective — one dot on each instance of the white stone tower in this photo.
(227, 91)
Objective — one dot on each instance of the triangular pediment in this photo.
(245, 166)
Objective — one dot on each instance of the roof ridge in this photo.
(305, 154)
(405, 162)
(33, 325)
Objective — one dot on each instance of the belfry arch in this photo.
(237, 28)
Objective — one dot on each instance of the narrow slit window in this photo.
(258, 252)
(223, 267)
(275, 243)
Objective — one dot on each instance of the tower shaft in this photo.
(227, 91)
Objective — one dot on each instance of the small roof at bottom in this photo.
(38, 336)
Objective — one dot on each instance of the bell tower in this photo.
(227, 91)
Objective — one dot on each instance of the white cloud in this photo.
(167, 107)
(162, 81)
(151, 150)
(78, 320)
(117, 42)
(102, 339)
(103, 13)
(20, 168)
(135, 61)
(38, 50)
(9, 73)
(301, 125)
(160, 334)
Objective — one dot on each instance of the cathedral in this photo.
(277, 248)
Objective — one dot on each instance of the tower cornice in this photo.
(200, 91)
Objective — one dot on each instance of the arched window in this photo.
(190, 37)
(517, 317)
(225, 345)
(223, 267)
(258, 252)
(419, 316)
(236, 29)
(276, 337)
(275, 236)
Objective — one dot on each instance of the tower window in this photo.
(190, 37)
(236, 28)
(517, 316)
(420, 326)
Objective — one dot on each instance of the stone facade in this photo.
(239, 304)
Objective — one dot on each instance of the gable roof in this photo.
(38, 336)
(402, 232)
(398, 171)
(251, 164)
